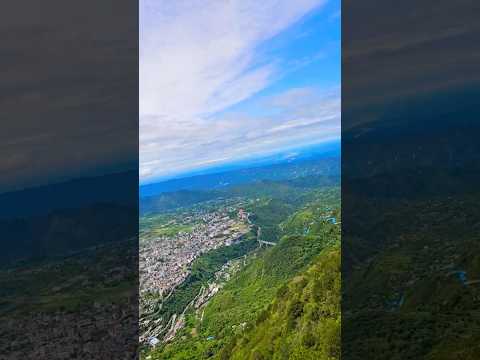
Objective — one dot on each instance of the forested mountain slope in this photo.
(302, 322)
(290, 290)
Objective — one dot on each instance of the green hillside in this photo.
(263, 290)
(303, 321)
(417, 296)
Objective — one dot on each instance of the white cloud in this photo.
(302, 116)
(199, 57)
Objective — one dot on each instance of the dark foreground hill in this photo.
(65, 232)
(64, 218)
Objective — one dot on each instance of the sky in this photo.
(224, 80)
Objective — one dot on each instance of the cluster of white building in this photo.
(164, 262)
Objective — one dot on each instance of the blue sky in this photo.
(225, 80)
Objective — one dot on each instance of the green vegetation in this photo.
(202, 270)
(412, 293)
(172, 230)
(100, 275)
(204, 267)
(174, 200)
(289, 290)
(303, 321)
(154, 226)
(268, 214)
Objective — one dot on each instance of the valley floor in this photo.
(279, 278)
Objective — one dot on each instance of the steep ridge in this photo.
(302, 322)
(261, 291)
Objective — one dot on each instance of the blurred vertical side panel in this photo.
(69, 179)
(410, 180)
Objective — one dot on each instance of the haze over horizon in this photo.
(253, 90)
(295, 154)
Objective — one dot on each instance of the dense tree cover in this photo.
(295, 189)
(268, 214)
(174, 200)
(248, 299)
(238, 304)
(204, 267)
(312, 218)
(64, 232)
(416, 295)
(302, 322)
(69, 283)
(320, 165)
(202, 270)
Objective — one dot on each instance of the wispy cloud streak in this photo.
(197, 59)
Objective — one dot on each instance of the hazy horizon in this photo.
(260, 160)
(235, 81)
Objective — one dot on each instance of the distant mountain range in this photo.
(280, 181)
(296, 166)
(61, 219)
(118, 188)
(65, 232)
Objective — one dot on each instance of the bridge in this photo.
(263, 242)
